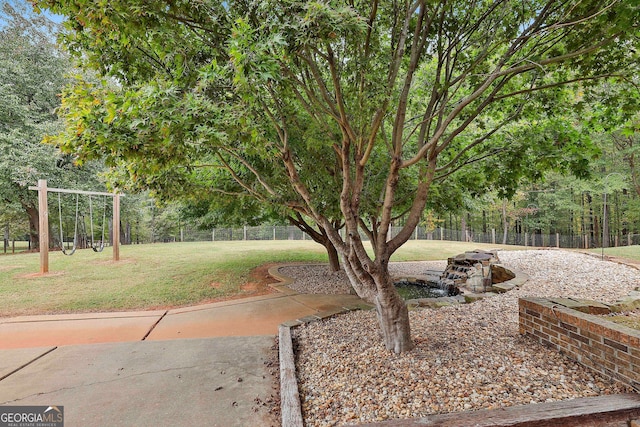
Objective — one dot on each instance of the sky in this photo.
(25, 5)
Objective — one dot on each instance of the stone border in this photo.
(468, 297)
(290, 408)
(285, 281)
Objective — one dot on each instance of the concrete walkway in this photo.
(205, 365)
(242, 317)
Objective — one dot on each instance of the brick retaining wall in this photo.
(608, 348)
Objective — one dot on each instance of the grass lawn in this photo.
(163, 275)
(629, 252)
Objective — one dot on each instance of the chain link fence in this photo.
(490, 237)
(20, 243)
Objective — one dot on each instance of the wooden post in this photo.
(558, 240)
(116, 227)
(526, 239)
(43, 225)
(493, 236)
(629, 242)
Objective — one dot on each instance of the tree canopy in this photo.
(340, 109)
(32, 76)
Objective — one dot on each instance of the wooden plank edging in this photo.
(289, 396)
(586, 411)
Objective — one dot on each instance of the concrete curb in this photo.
(285, 281)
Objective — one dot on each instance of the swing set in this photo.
(96, 247)
(44, 222)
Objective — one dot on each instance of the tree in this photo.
(349, 107)
(32, 75)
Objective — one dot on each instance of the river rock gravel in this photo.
(466, 357)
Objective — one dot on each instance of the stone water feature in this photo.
(470, 273)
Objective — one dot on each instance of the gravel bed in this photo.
(316, 279)
(466, 357)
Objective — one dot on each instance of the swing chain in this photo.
(97, 248)
(75, 230)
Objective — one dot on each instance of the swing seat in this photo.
(75, 231)
(69, 252)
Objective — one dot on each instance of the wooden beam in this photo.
(581, 412)
(116, 227)
(64, 190)
(43, 226)
(289, 396)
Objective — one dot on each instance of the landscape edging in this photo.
(290, 406)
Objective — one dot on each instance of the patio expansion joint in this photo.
(28, 363)
(154, 325)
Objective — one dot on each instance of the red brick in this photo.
(596, 328)
(568, 326)
(612, 334)
(609, 365)
(634, 341)
(623, 356)
(532, 313)
(621, 364)
(615, 344)
(590, 335)
(549, 332)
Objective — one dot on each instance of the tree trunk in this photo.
(6, 237)
(123, 233)
(393, 317)
(34, 226)
(592, 219)
(505, 223)
(377, 287)
(332, 253)
(605, 227)
(463, 228)
(319, 237)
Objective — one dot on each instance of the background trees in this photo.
(32, 75)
